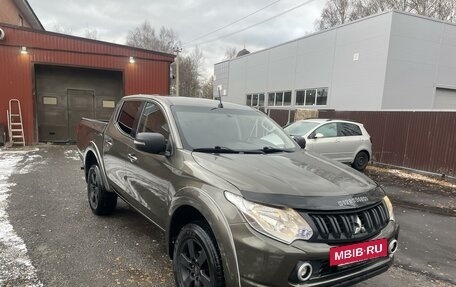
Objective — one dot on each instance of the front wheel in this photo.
(197, 261)
(101, 201)
(361, 161)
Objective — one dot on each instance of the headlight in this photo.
(284, 225)
(389, 206)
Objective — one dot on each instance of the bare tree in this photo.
(230, 53)
(145, 36)
(189, 73)
(91, 33)
(207, 89)
(440, 9)
(364, 8)
(335, 12)
(62, 29)
(338, 12)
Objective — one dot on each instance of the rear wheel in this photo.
(361, 161)
(197, 261)
(101, 201)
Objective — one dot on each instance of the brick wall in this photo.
(10, 14)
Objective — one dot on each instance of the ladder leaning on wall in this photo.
(15, 126)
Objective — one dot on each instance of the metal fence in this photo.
(282, 117)
(419, 140)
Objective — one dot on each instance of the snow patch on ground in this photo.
(31, 162)
(16, 268)
(72, 154)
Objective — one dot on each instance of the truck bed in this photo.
(89, 130)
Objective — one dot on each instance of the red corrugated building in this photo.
(59, 78)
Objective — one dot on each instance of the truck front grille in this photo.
(348, 226)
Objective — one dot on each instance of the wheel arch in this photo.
(93, 156)
(90, 159)
(195, 205)
(181, 217)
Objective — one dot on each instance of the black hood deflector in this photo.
(344, 202)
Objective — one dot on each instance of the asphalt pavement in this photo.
(61, 243)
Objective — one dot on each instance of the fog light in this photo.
(304, 271)
(392, 247)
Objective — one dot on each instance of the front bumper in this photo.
(267, 262)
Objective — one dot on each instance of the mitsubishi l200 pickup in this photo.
(241, 203)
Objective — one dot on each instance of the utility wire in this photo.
(232, 23)
(253, 25)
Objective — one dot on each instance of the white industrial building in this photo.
(388, 61)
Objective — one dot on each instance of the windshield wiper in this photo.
(222, 149)
(216, 149)
(269, 149)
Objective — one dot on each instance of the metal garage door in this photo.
(64, 95)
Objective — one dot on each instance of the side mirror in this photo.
(150, 142)
(300, 141)
(319, 135)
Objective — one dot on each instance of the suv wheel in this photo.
(101, 201)
(197, 261)
(361, 161)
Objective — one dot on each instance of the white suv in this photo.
(343, 141)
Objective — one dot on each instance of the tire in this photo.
(197, 260)
(361, 161)
(101, 202)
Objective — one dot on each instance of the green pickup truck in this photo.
(241, 203)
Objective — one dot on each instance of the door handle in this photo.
(132, 157)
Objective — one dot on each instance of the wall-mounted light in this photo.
(24, 50)
(131, 60)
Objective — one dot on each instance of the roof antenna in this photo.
(219, 87)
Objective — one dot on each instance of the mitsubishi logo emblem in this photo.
(358, 225)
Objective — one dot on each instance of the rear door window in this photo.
(347, 130)
(128, 116)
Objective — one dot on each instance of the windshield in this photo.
(229, 130)
(300, 128)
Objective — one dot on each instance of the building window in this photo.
(312, 97)
(279, 99)
(322, 96)
(248, 102)
(21, 21)
(109, 104)
(261, 100)
(255, 100)
(271, 99)
(287, 99)
(300, 95)
(49, 101)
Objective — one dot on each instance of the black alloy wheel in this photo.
(196, 258)
(93, 189)
(101, 201)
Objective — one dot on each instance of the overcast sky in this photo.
(112, 20)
